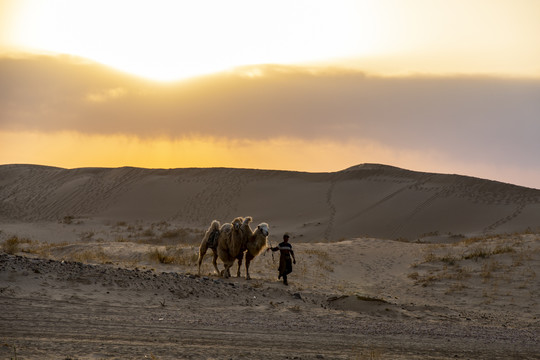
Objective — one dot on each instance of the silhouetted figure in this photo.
(286, 258)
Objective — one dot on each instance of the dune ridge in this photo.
(365, 200)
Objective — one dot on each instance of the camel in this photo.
(255, 243)
(230, 245)
(231, 241)
(246, 233)
(210, 240)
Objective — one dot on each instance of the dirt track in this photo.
(55, 310)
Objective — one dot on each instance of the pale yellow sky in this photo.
(301, 85)
(168, 40)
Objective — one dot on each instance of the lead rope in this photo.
(270, 242)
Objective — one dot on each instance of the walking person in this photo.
(286, 258)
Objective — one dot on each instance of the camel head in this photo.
(247, 220)
(264, 229)
(236, 223)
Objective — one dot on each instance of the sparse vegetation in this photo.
(14, 244)
(503, 249)
(171, 255)
(477, 253)
(323, 260)
(94, 255)
(413, 275)
(478, 265)
(11, 245)
(161, 257)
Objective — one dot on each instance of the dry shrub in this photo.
(185, 257)
(97, 256)
(430, 257)
(479, 252)
(11, 245)
(170, 255)
(161, 257)
(449, 259)
(503, 249)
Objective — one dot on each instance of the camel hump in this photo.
(213, 239)
(226, 228)
(215, 225)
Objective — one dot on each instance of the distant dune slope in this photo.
(365, 200)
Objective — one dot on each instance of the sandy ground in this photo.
(359, 299)
(101, 264)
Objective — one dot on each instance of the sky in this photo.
(426, 85)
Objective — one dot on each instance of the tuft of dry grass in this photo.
(13, 245)
(323, 260)
(171, 255)
(503, 249)
(88, 256)
(413, 275)
(476, 253)
(161, 257)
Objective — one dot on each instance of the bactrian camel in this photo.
(252, 243)
(210, 240)
(255, 243)
(216, 235)
(231, 246)
(231, 241)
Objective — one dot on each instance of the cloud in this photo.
(106, 95)
(470, 119)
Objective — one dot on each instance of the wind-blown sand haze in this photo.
(100, 263)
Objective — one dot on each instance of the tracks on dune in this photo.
(510, 217)
(332, 210)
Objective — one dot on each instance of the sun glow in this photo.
(168, 40)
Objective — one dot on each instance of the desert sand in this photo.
(392, 264)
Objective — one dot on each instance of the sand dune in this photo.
(366, 200)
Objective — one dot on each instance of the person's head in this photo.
(286, 237)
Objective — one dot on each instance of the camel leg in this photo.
(226, 273)
(240, 258)
(214, 262)
(249, 257)
(202, 251)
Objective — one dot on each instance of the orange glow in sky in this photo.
(311, 85)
